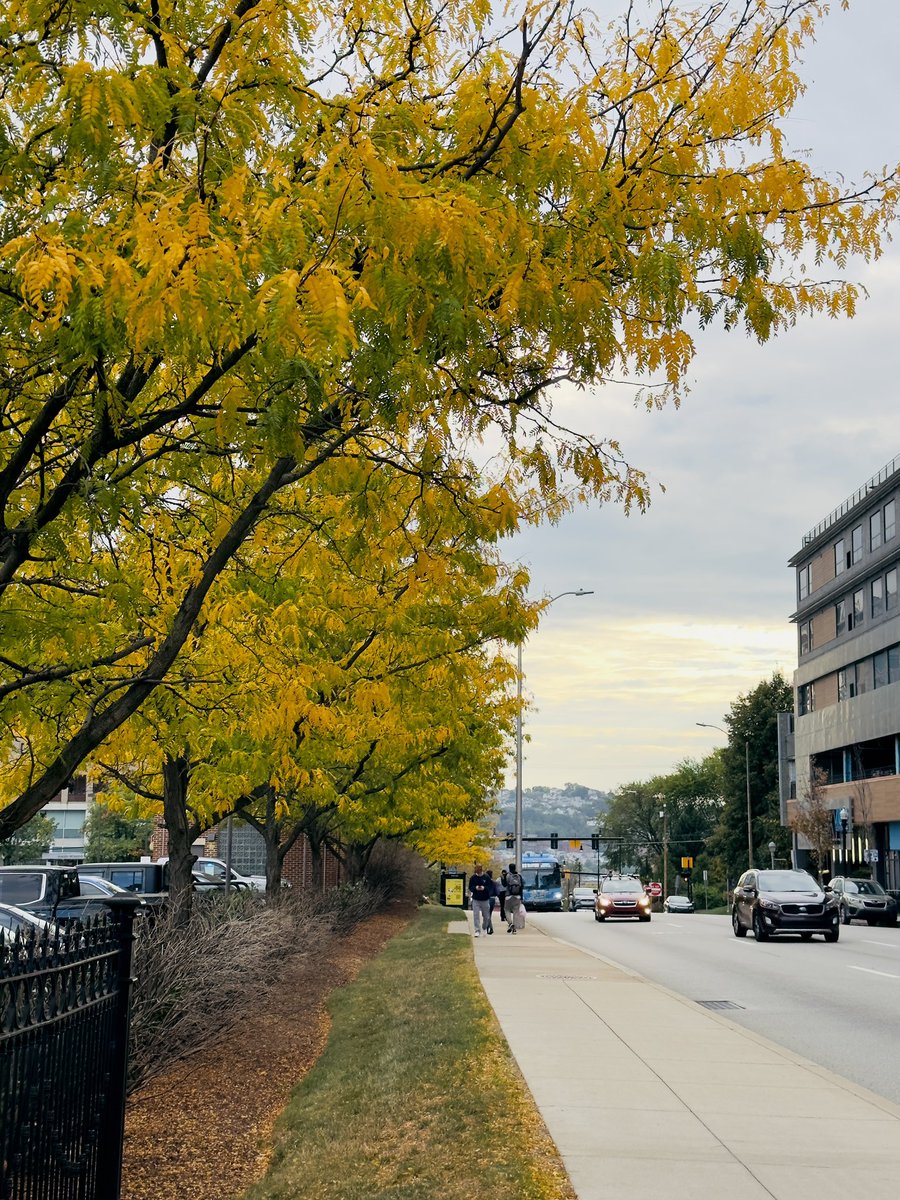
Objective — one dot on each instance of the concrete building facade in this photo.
(843, 740)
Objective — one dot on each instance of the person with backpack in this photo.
(514, 890)
(481, 889)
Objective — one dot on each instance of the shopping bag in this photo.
(519, 919)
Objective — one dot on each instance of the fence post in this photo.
(109, 1175)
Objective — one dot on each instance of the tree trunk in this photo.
(182, 831)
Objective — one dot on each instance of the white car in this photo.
(678, 904)
(216, 870)
(582, 897)
(15, 920)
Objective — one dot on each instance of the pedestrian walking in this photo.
(481, 889)
(500, 893)
(514, 889)
(493, 902)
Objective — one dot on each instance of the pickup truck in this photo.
(52, 893)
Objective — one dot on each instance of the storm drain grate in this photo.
(718, 1004)
(575, 977)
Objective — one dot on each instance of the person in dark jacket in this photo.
(500, 893)
(481, 889)
(514, 889)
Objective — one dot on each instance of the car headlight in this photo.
(604, 903)
(557, 896)
(831, 901)
(770, 905)
(645, 900)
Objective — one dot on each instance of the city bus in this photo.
(542, 881)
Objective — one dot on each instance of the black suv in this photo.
(772, 903)
(864, 900)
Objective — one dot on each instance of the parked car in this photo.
(864, 900)
(582, 897)
(141, 877)
(678, 904)
(15, 920)
(773, 903)
(215, 869)
(53, 893)
(93, 885)
(622, 896)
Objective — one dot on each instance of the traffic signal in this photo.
(595, 841)
(554, 841)
(510, 842)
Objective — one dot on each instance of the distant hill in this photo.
(570, 811)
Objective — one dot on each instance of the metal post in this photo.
(229, 830)
(518, 828)
(749, 810)
(772, 849)
(518, 831)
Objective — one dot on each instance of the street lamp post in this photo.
(772, 849)
(519, 676)
(703, 725)
(665, 820)
(845, 817)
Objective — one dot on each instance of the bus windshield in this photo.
(547, 875)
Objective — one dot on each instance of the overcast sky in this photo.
(692, 601)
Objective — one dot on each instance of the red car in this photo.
(622, 896)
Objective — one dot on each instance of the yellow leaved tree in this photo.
(257, 235)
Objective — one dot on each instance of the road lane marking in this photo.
(869, 971)
(869, 942)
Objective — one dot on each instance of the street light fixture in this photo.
(665, 820)
(772, 849)
(703, 725)
(518, 830)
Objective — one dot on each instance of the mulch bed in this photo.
(204, 1128)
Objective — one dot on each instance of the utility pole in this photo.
(665, 820)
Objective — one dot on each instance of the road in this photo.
(834, 1004)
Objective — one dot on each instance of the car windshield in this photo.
(622, 885)
(868, 887)
(786, 881)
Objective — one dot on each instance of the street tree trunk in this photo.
(182, 832)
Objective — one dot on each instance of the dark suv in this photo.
(772, 903)
(864, 900)
(622, 896)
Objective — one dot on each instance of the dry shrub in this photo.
(396, 872)
(193, 982)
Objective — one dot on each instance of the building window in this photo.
(893, 664)
(806, 698)
(880, 662)
(847, 682)
(890, 589)
(840, 556)
(864, 680)
(840, 617)
(890, 519)
(876, 530)
(803, 582)
(69, 824)
(806, 637)
(856, 543)
(859, 606)
(877, 597)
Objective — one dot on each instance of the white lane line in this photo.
(869, 942)
(869, 971)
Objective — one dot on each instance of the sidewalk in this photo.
(648, 1095)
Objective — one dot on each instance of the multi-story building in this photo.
(68, 810)
(845, 735)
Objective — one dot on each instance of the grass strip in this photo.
(416, 1095)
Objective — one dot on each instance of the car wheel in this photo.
(759, 930)
(805, 937)
(833, 934)
(647, 918)
(739, 930)
(890, 921)
(846, 918)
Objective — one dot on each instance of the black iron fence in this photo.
(63, 1056)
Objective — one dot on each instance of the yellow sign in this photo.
(574, 845)
(687, 864)
(453, 892)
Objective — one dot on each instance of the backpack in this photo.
(513, 884)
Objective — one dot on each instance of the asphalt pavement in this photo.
(647, 1094)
